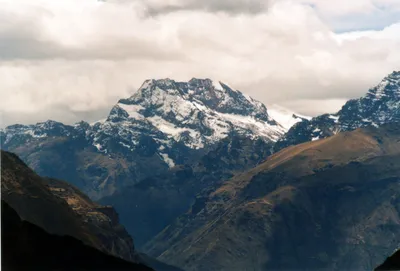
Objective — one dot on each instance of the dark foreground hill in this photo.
(391, 263)
(60, 209)
(26, 246)
(331, 204)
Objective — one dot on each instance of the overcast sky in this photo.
(73, 59)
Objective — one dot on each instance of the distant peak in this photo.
(388, 87)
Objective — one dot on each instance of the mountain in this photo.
(196, 114)
(29, 247)
(162, 125)
(391, 263)
(379, 106)
(38, 199)
(155, 151)
(331, 204)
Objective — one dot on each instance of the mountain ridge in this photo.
(378, 106)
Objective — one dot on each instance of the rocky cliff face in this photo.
(101, 221)
(331, 204)
(379, 106)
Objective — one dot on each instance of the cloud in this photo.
(157, 7)
(74, 59)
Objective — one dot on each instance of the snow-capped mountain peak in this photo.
(379, 106)
(388, 86)
(196, 114)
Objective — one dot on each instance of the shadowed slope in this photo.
(28, 247)
(59, 208)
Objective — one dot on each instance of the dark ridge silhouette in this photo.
(391, 263)
(28, 247)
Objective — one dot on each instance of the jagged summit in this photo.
(380, 105)
(214, 95)
(195, 114)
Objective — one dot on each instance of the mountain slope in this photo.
(152, 204)
(379, 106)
(28, 247)
(162, 125)
(38, 199)
(332, 204)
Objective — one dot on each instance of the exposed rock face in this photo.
(379, 106)
(29, 247)
(61, 209)
(101, 221)
(162, 125)
(332, 204)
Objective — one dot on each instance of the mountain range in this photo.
(165, 123)
(193, 167)
(166, 143)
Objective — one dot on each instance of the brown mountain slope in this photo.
(61, 209)
(28, 247)
(332, 204)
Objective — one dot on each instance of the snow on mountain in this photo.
(170, 119)
(197, 114)
(379, 106)
(284, 116)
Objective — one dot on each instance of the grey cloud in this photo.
(24, 39)
(228, 6)
(158, 7)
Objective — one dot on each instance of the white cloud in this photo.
(80, 56)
